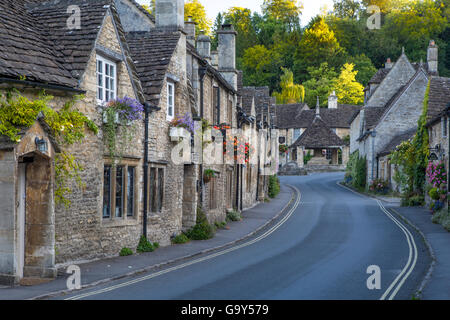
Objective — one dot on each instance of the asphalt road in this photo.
(320, 250)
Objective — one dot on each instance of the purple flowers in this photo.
(184, 122)
(127, 108)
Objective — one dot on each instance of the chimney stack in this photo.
(204, 47)
(227, 54)
(189, 27)
(332, 101)
(215, 59)
(317, 108)
(169, 14)
(388, 64)
(432, 57)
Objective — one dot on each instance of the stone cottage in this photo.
(42, 49)
(393, 104)
(321, 132)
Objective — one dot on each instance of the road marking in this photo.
(412, 259)
(413, 254)
(209, 257)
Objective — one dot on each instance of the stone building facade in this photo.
(293, 122)
(121, 51)
(393, 104)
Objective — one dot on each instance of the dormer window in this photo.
(106, 80)
(170, 101)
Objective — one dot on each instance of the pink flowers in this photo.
(436, 174)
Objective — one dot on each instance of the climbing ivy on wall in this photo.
(411, 157)
(68, 126)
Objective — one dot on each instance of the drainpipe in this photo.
(201, 73)
(147, 110)
(373, 134)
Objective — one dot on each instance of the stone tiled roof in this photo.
(438, 97)
(248, 95)
(151, 53)
(318, 135)
(372, 116)
(396, 141)
(292, 116)
(379, 75)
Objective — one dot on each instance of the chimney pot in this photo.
(388, 64)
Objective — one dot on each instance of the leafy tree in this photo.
(259, 65)
(286, 11)
(290, 92)
(217, 25)
(150, 8)
(346, 8)
(348, 90)
(320, 84)
(318, 44)
(194, 9)
(365, 68)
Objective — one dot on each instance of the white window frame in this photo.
(105, 62)
(170, 116)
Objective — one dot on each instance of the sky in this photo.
(213, 7)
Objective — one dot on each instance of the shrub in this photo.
(442, 217)
(233, 216)
(144, 245)
(179, 239)
(379, 186)
(434, 194)
(202, 230)
(360, 177)
(156, 245)
(125, 252)
(220, 225)
(274, 186)
(413, 201)
(307, 158)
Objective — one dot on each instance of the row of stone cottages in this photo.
(394, 101)
(118, 50)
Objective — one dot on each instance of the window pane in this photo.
(119, 191)
(106, 95)
(111, 71)
(107, 192)
(99, 67)
(107, 82)
(107, 69)
(100, 93)
(112, 87)
(153, 190)
(130, 192)
(160, 188)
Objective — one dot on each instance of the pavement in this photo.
(106, 270)
(437, 284)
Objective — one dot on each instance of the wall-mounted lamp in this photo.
(41, 145)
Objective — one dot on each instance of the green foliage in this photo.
(308, 157)
(180, 239)
(413, 200)
(320, 84)
(434, 194)
(233, 216)
(144, 245)
(285, 11)
(274, 186)
(125, 252)
(411, 157)
(442, 217)
(290, 92)
(220, 225)
(348, 90)
(356, 171)
(202, 230)
(194, 9)
(68, 126)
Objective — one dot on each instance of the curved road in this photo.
(320, 251)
